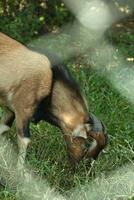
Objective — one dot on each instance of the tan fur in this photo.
(24, 75)
(67, 106)
(25, 78)
(73, 115)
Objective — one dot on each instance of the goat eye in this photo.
(88, 144)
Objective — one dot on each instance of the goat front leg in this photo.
(23, 141)
(23, 128)
(24, 109)
(6, 120)
(23, 115)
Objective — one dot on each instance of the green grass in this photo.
(47, 155)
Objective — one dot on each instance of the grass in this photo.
(47, 156)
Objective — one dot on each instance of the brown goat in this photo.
(33, 90)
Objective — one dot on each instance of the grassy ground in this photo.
(46, 154)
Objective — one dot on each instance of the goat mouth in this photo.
(95, 145)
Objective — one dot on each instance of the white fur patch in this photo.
(3, 128)
(23, 143)
(80, 131)
(93, 145)
(26, 141)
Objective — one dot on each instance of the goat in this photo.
(31, 89)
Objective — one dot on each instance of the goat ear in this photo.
(80, 131)
(82, 135)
